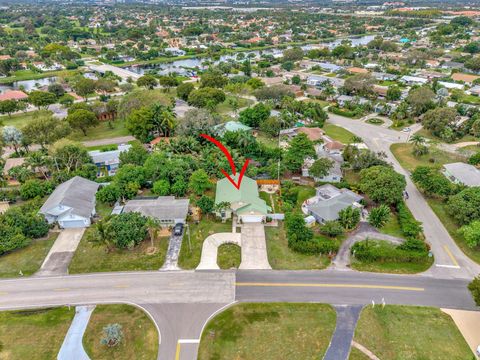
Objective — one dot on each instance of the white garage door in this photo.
(72, 224)
(252, 218)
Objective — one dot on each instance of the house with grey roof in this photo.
(166, 209)
(321, 80)
(107, 162)
(461, 173)
(71, 204)
(329, 201)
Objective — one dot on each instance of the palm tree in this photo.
(37, 161)
(164, 119)
(153, 228)
(102, 236)
(419, 147)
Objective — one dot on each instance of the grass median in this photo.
(269, 332)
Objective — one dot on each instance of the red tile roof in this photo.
(13, 95)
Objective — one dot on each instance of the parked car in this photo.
(178, 229)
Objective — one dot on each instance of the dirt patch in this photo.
(467, 322)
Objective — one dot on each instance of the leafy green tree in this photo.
(421, 100)
(41, 99)
(394, 93)
(382, 184)
(128, 229)
(179, 188)
(140, 124)
(293, 54)
(199, 182)
(419, 147)
(161, 187)
(296, 229)
(31, 189)
(360, 84)
(321, 167)
(108, 194)
(254, 116)
(349, 217)
(471, 232)
(436, 120)
(56, 89)
(84, 87)
(206, 96)
(300, 147)
(147, 81)
(213, 79)
(206, 204)
(474, 288)
(464, 207)
(332, 228)
(168, 81)
(379, 216)
(271, 126)
(431, 181)
(8, 107)
(275, 93)
(45, 130)
(136, 155)
(21, 173)
(68, 156)
(474, 159)
(184, 90)
(82, 120)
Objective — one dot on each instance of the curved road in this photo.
(450, 261)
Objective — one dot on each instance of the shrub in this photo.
(161, 187)
(474, 288)
(112, 335)
(379, 216)
(332, 228)
(108, 194)
(412, 251)
(316, 245)
(33, 188)
(349, 217)
(411, 228)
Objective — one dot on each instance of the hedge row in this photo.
(380, 251)
(411, 228)
(316, 245)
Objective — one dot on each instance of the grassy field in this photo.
(389, 266)
(190, 255)
(411, 333)
(33, 334)
(356, 354)
(267, 140)
(22, 119)
(102, 131)
(440, 209)
(338, 133)
(281, 257)
(140, 334)
(21, 75)
(247, 332)
(226, 106)
(92, 258)
(435, 157)
(229, 256)
(28, 260)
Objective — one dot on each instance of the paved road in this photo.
(449, 259)
(347, 317)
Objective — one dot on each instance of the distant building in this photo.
(108, 162)
(232, 126)
(13, 95)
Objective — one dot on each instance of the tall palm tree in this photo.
(153, 228)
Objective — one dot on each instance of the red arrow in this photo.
(230, 160)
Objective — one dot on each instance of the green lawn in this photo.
(281, 257)
(91, 258)
(277, 331)
(226, 107)
(411, 333)
(21, 119)
(21, 75)
(28, 260)
(267, 139)
(102, 131)
(33, 334)
(229, 256)
(338, 133)
(390, 266)
(440, 209)
(140, 336)
(435, 157)
(375, 121)
(392, 227)
(304, 193)
(190, 253)
(356, 354)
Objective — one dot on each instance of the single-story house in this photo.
(357, 70)
(452, 65)
(475, 90)
(13, 95)
(461, 173)
(384, 76)
(328, 66)
(71, 204)
(166, 209)
(107, 162)
(335, 173)
(329, 201)
(245, 202)
(413, 80)
(232, 126)
(450, 85)
(466, 78)
(321, 80)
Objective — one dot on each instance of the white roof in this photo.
(414, 79)
(450, 85)
(467, 174)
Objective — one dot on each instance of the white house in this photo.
(413, 80)
(72, 204)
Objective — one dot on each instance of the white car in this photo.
(478, 350)
(407, 129)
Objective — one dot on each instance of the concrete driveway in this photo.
(254, 247)
(61, 253)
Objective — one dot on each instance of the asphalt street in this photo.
(450, 261)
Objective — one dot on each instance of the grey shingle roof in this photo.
(162, 208)
(77, 193)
